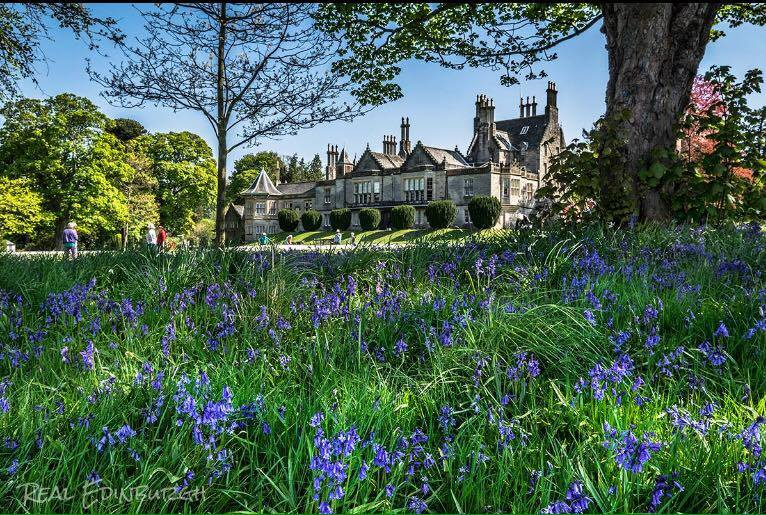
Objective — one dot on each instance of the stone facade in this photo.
(507, 159)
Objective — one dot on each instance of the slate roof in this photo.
(454, 159)
(262, 186)
(239, 209)
(297, 188)
(387, 161)
(534, 134)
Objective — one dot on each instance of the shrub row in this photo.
(484, 211)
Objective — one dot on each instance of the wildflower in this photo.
(722, 331)
(417, 504)
(632, 453)
(664, 487)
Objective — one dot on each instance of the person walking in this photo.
(352, 239)
(289, 239)
(151, 237)
(263, 240)
(338, 237)
(70, 240)
(162, 237)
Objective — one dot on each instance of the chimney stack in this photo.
(404, 143)
(552, 93)
(521, 107)
(534, 106)
(529, 108)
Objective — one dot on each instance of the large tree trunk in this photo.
(59, 239)
(654, 53)
(220, 206)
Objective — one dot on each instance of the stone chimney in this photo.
(551, 109)
(389, 145)
(405, 147)
(521, 107)
(528, 108)
(332, 160)
(534, 106)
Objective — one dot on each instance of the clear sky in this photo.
(439, 102)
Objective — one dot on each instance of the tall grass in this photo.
(292, 335)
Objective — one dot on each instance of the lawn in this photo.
(378, 236)
(574, 370)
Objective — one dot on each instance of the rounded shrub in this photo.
(311, 220)
(340, 219)
(288, 219)
(484, 211)
(369, 218)
(402, 217)
(441, 214)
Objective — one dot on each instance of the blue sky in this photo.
(439, 102)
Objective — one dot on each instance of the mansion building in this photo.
(507, 159)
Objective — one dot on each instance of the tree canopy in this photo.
(654, 50)
(246, 170)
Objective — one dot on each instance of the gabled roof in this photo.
(262, 186)
(532, 136)
(453, 158)
(387, 161)
(240, 210)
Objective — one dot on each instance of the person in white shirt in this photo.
(151, 237)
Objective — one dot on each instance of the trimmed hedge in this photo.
(484, 211)
(311, 220)
(402, 217)
(441, 214)
(369, 218)
(288, 219)
(340, 219)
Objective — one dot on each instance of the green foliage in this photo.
(125, 129)
(441, 214)
(315, 171)
(484, 211)
(185, 170)
(402, 217)
(246, 171)
(369, 218)
(311, 220)
(728, 180)
(288, 219)
(58, 147)
(340, 219)
(21, 210)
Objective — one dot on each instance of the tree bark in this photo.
(220, 206)
(654, 52)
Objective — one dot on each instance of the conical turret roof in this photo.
(262, 186)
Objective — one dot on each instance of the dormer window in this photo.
(524, 129)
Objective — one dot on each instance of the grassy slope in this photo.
(362, 383)
(402, 236)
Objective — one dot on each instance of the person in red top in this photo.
(162, 237)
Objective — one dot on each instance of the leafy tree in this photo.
(716, 174)
(288, 219)
(24, 25)
(58, 146)
(653, 50)
(484, 211)
(402, 217)
(315, 170)
(140, 189)
(246, 171)
(340, 219)
(185, 170)
(125, 129)
(724, 178)
(441, 214)
(21, 209)
(311, 220)
(254, 71)
(369, 218)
